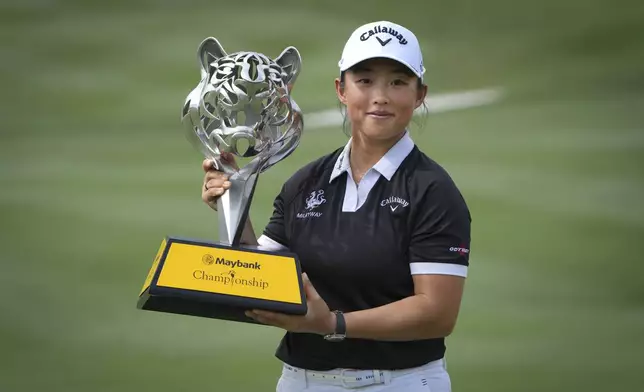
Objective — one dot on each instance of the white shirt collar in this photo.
(386, 166)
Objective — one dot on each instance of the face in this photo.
(380, 96)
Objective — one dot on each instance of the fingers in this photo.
(225, 157)
(214, 179)
(207, 165)
(269, 318)
(212, 194)
(220, 183)
(214, 185)
(212, 190)
(309, 290)
(215, 182)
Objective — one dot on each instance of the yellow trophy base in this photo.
(208, 279)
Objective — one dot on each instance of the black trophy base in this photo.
(208, 279)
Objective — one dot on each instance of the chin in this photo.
(382, 131)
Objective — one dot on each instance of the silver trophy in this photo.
(242, 106)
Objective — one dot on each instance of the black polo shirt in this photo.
(360, 245)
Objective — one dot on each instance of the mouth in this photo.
(380, 114)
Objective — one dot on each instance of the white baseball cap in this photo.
(383, 39)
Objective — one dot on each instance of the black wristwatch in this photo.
(340, 328)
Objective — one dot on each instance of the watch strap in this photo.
(340, 323)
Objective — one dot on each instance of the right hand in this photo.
(215, 182)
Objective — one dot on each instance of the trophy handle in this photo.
(233, 207)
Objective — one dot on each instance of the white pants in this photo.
(432, 377)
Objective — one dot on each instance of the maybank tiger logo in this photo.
(315, 199)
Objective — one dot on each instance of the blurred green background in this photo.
(95, 171)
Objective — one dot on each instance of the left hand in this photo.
(319, 319)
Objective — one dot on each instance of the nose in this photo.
(380, 96)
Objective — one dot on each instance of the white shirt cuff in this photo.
(438, 269)
(269, 244)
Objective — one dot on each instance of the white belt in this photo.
(351, 378)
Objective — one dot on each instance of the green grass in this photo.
(95, 170)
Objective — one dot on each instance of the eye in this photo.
(363, 81)
(400, 82)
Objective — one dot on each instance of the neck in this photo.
(366, 152)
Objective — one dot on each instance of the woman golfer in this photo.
(382, 233)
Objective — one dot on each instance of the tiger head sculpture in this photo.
(242, 105)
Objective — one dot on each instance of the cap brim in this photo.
(346, 66)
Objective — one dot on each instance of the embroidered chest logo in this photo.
(315, 199)
(394, 203)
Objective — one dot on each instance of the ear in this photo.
(291, 62)
(209, 50)
(339, 90)
(421, 95)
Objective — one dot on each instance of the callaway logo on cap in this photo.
(383, 39)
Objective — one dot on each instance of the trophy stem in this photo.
(233, 207)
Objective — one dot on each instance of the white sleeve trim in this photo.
(267, 243)
(438, 269)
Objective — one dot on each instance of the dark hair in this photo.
(407, 71)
